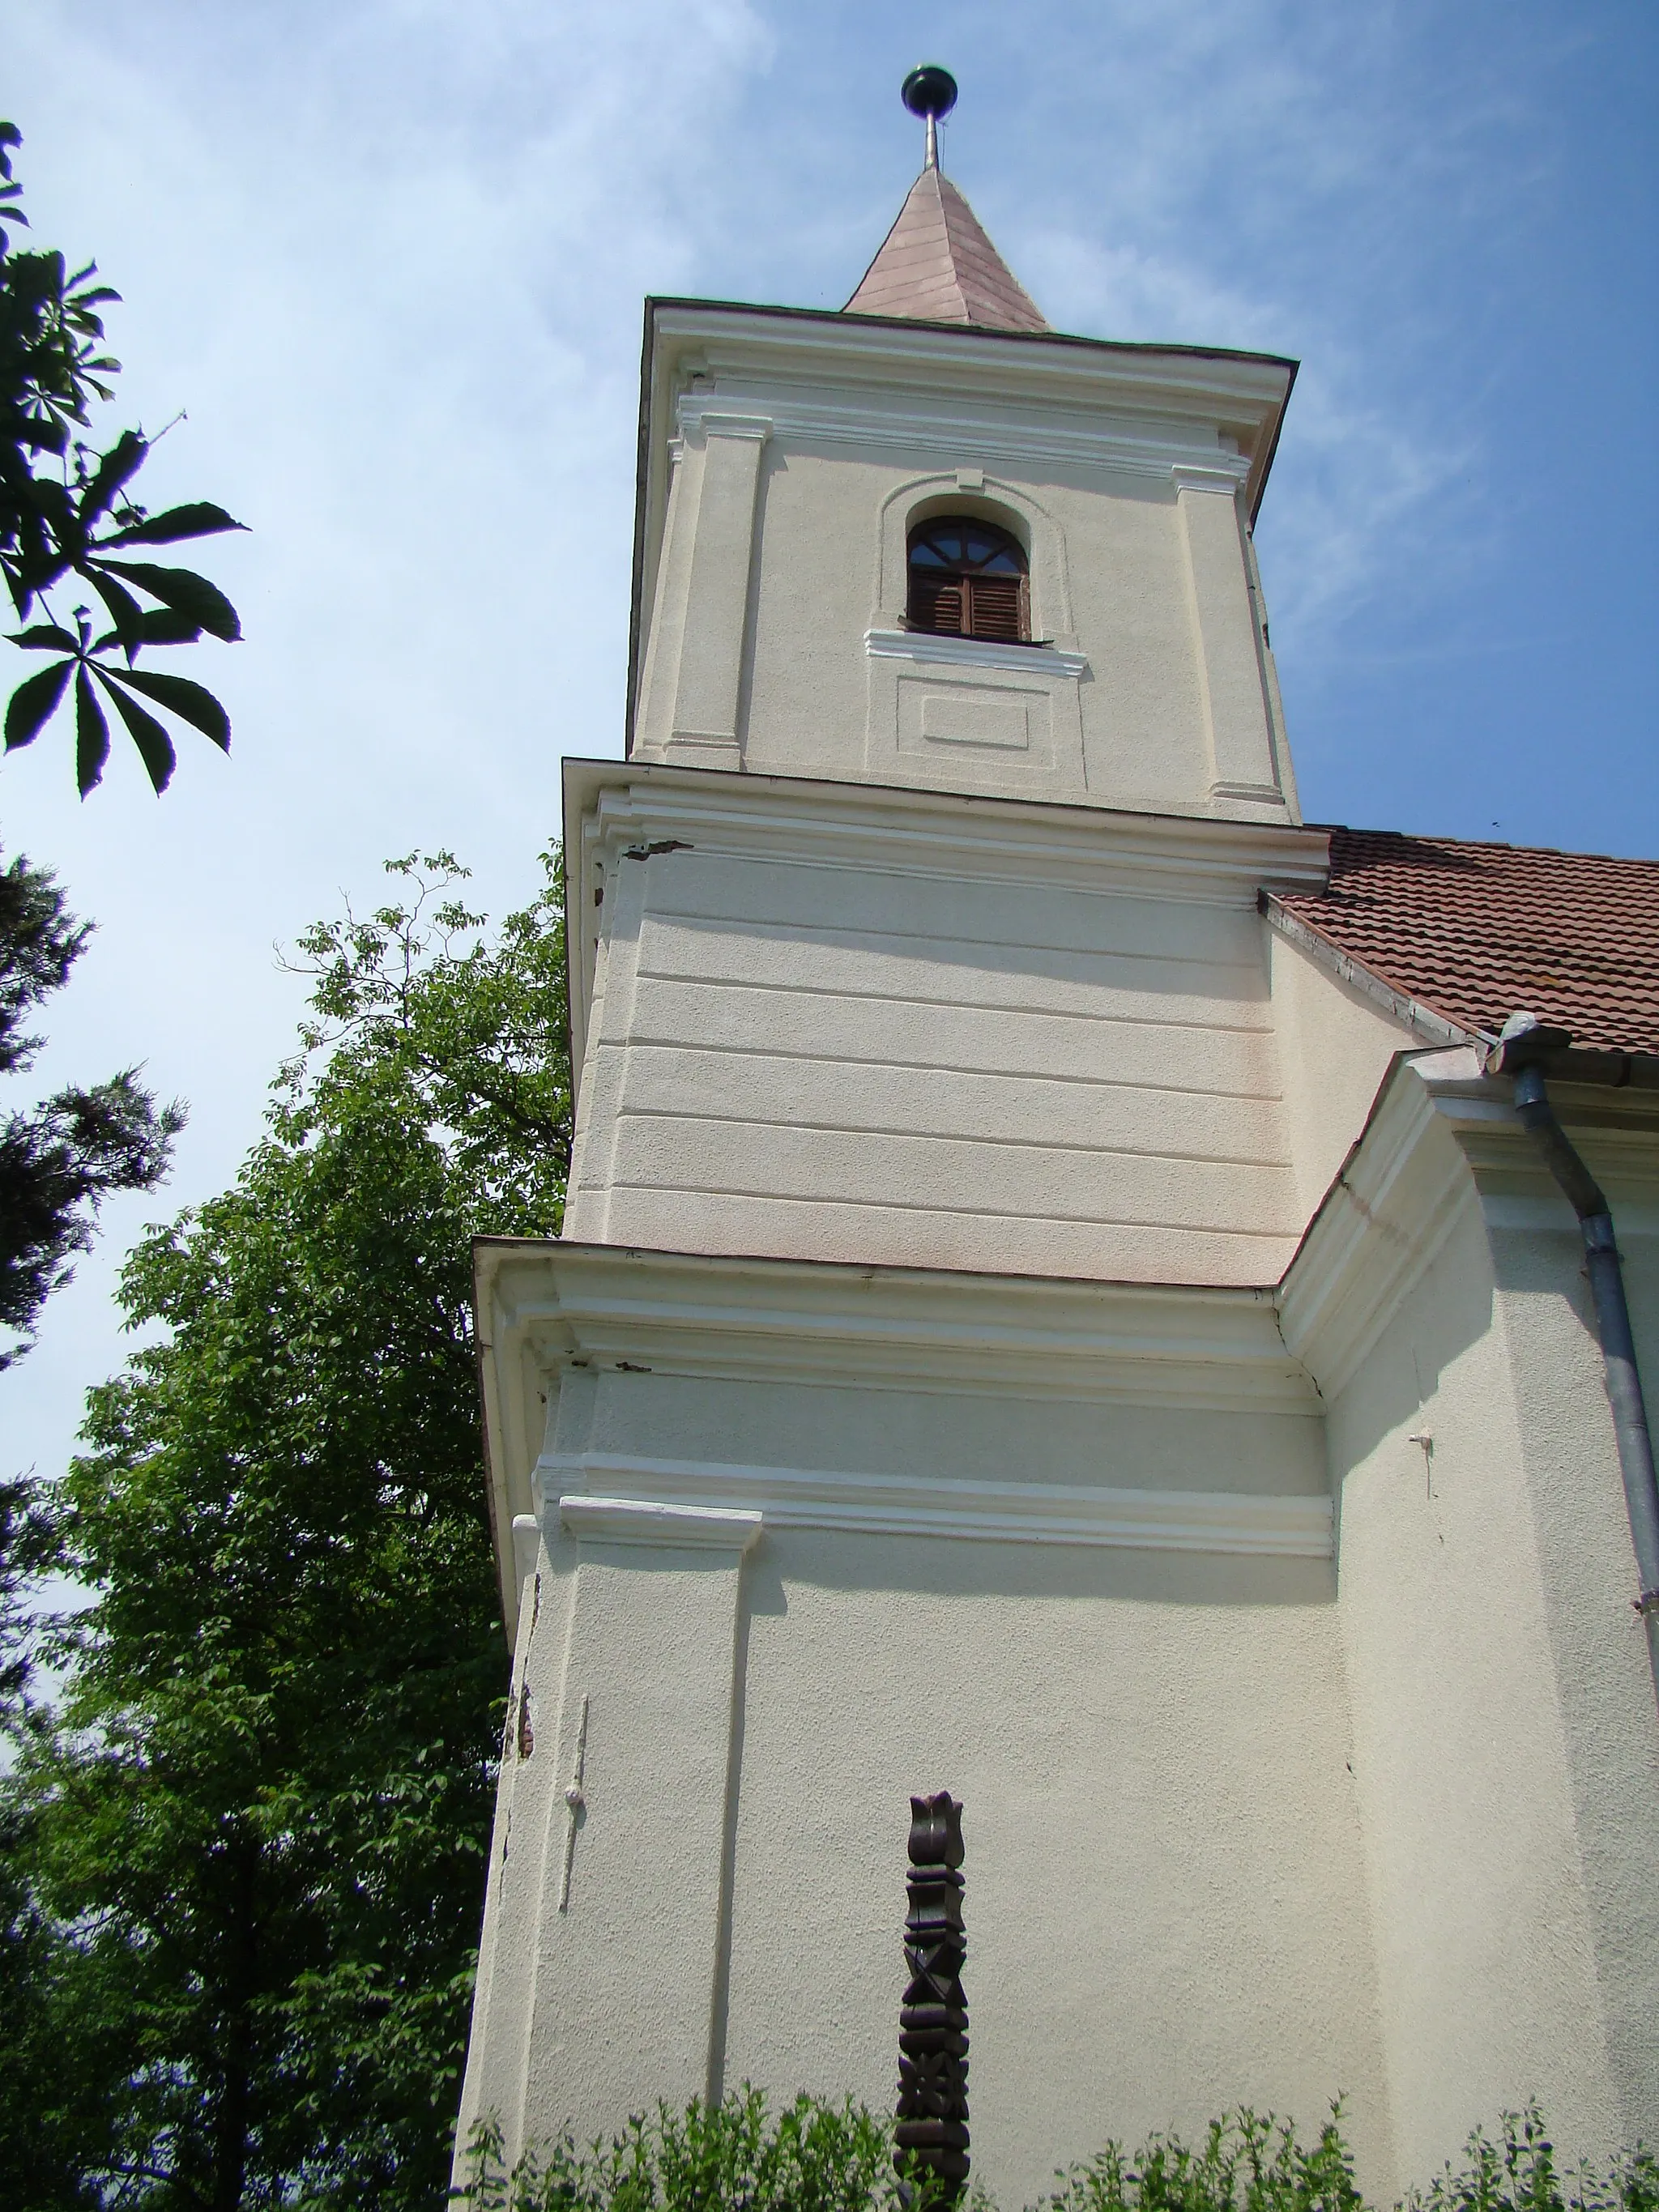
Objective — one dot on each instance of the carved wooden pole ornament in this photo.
(932, 2094)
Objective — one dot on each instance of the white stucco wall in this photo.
(892, 1037)
(1164, 1899)
(1504, 1726)
(1166, 1894)
(1334, 1047)
(1568, 1456)
(1486, 1958)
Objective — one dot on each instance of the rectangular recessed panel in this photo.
(961, 717)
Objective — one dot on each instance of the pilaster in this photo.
(626, 2007)
(1242, 752)
(710, 670)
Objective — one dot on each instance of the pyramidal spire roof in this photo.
(937, 265)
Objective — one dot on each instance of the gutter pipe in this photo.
(1522, 1048)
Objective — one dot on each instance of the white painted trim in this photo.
(526, 1545)
(553, 1308)
(713, 424)
(1047, 661)
(1230, 1522)
(1443, 1141)
(1394, 1200)
(958, 428)
(731, 336)
(811, 1321)
(656, 1522)
(1220, 475)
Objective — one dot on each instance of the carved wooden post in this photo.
(933, 2095)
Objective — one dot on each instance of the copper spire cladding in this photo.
(936, 264)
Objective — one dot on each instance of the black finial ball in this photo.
(929, 90)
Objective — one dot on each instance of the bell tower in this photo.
(789, 459)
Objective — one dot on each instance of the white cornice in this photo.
(613, 1307)
(551, 1309)
(1115, 848)
(660, 1522)
(678, 1501)
(883, 420)
(731, 337)
(974, 653)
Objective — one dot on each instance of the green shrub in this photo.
(732, 2157)
(1246, 2164)
(819, 2157)
(1519, 2174)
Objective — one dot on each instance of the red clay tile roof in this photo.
(937, 265)
(1478, 932)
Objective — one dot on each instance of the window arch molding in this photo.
(908, 505)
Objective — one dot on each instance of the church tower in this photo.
(907, 1404)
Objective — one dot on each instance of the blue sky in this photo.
(389, 257)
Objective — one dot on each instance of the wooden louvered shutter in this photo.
(996, 608)
(966, 580)
(936, 604)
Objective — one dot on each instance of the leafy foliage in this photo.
(1246, 2163)
(822, 2157)
(1518, 2173)
(256, 1831)
(66, 511)
(815, 2157)
(59, 1161)
(29, 1548)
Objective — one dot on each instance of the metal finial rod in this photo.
(930, 92)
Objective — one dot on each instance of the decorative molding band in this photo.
(880, 426)
(850, 824)
(814, 1323)
(1442, 1144)
(660, 1522)
(1048, 661)
(732, 338)
(735, 1498)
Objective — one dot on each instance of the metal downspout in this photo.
(1522, 1049)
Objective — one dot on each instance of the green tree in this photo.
(67, 517)
(60, 1160)
(259, 1824)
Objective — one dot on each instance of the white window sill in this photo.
(972, 653)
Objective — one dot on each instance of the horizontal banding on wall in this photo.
(679, 1495)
